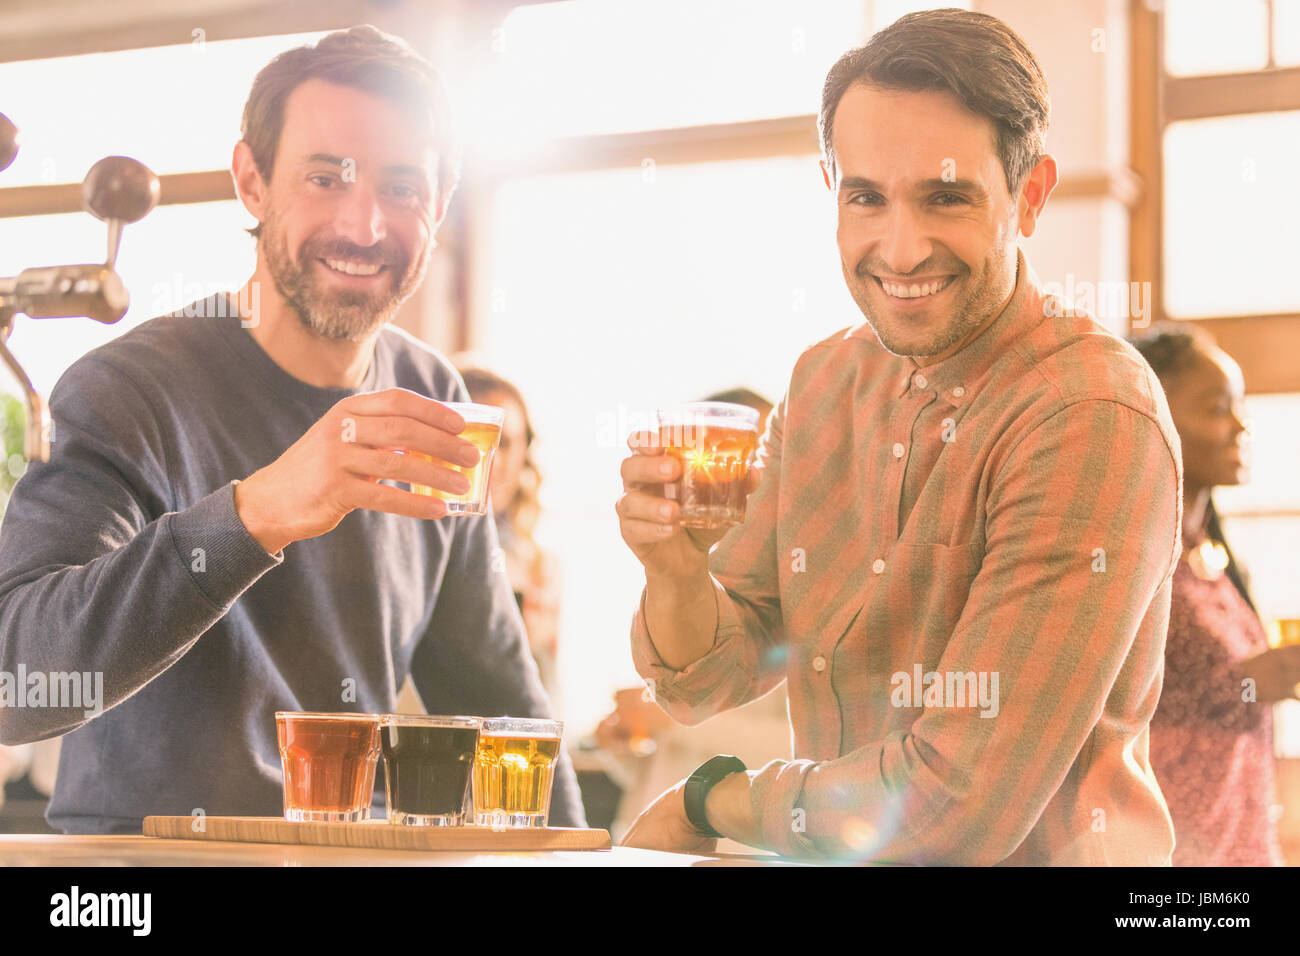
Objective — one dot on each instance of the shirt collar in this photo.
(956, 376)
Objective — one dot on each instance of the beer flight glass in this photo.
(430, 762)
(329, 765)
(482, 430)
(514, 769)
(426, 768)
(716, 443)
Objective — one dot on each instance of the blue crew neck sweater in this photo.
(124, 556)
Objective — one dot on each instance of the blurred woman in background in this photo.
(1211, 737)
(513, 493)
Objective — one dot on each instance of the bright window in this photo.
(609, 66)
(1286, 32)
(175, 255)
(1210, 36)
(174, 108)
(606, 66)
(1232, 215)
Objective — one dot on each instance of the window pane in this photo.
(609, 293)
(601, 67)
(1210, 36)
(1286, 32)
(175, 108)
(175, 255)
(1232, 215)
(1267, 548)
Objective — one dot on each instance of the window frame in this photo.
(1260, 343)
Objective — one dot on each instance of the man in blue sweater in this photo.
(223, 529)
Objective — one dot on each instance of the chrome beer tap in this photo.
(118, 191)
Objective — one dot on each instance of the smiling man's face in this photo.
(927, 228)
(350, 210)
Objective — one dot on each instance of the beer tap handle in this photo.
(8, 142)
(118, 191)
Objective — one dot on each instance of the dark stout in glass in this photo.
(427, 763)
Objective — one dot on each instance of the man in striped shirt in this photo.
(960, 550)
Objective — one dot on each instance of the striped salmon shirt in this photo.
(963, 572)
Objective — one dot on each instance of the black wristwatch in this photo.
(701, 782)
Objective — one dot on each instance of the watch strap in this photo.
(698, 785)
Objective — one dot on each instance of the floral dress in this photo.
(1212, 751)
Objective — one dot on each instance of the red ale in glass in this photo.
(329, 765)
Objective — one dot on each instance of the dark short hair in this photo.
(740, 396)
(975, 57)
(1170, 346)
(364, 58)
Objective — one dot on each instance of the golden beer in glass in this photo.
(514, 769)
(483, 431)
(716, 444)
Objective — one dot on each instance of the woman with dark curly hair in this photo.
(1212, 733)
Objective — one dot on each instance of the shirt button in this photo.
(878, 565)
(958, 392)
(899, 449)
(819, 663)
(921, 381)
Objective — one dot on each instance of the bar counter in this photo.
(40, 849)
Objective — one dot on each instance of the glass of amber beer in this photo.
(329, 765)
(427, 761)
(715, 442)
(483, 431)
(514, 768)
(1283, 632)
